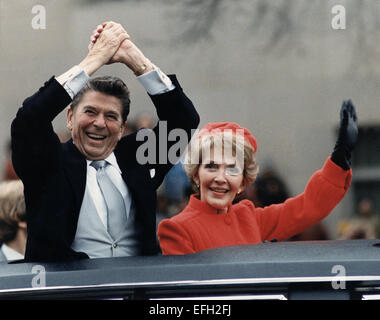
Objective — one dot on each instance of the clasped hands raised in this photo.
(110, 43)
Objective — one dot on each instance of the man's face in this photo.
(96, 124)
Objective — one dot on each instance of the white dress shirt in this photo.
(11, 254)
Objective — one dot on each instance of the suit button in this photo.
(115, 245)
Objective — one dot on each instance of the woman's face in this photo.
(219, 178)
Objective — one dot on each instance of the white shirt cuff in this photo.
(156, 82)
(76, 83)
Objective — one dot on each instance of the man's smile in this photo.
(95, 136)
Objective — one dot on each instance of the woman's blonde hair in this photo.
(220, 140)
(12, 208)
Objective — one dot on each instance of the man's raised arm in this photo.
(149, 75)
(31, 130)
(99, 54)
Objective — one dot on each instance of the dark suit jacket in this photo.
(54, 174)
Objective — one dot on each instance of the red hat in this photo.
(214, 127)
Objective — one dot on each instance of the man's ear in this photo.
(22, 224)
(122, 129)
(69, 115)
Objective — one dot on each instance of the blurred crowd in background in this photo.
(173, 195)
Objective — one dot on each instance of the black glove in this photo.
(347, 136)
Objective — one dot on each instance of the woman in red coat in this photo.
(221, 162)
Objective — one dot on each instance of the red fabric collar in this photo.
(196, 204)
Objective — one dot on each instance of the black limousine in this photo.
(311, 270)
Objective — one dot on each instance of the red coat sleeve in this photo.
(325, 189)
(173, 238)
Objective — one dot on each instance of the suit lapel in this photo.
(76, 170)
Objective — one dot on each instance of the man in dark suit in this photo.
(69, 214)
